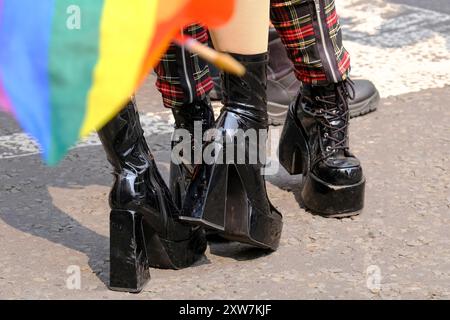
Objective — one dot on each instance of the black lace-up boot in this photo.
(314, 143)
(144, 231)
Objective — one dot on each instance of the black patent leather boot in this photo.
(195, 118)
(314, 143)
(144, 231)
(229, 194)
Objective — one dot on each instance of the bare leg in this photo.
(247, 32)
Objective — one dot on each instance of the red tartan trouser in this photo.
(309, 29)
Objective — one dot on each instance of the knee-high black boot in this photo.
(144, 231)
(314, 143)
(230, 196)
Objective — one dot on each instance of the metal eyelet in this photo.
(325, 135)
(328, 149)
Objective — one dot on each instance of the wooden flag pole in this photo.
(223, 61)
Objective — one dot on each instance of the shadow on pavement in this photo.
(31, 208)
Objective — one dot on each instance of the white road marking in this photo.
(21, 145)
(401, 48)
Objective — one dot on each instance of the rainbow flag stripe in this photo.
(68, 66)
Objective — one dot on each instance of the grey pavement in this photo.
(54, 221)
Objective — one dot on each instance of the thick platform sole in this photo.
(165, 254)
(331, 200)
(264, 234)
(228, 211)
(135, 246)
(318, 196)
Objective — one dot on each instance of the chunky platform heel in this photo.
(135, 246)
(291, 156)
(314, 143)
(179, 180)
(128, 255)
(145, 231)
(227, 196)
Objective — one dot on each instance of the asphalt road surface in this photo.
(54, 221)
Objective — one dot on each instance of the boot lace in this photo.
(334, 108)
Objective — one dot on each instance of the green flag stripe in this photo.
(74, 52)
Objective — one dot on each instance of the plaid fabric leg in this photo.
(182, 76)
(311, 33)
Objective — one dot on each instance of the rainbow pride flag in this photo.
(68, 66)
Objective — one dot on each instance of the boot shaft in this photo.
(124, 142)
(247, 95)
(135, 174)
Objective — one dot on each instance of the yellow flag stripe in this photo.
(126, 30)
